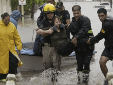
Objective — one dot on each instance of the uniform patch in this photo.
(102, 31)
(61, 16)
(90, 31)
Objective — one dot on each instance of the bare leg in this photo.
(103, 61)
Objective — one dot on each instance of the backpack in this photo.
(37, 49)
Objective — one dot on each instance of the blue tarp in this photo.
(27, 52)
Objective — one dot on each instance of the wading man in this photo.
(106, 33)
(80, 28)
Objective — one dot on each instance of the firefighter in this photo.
(37, 46)
(106, 33)
(58, 38)
(80, 28)
(64, 15)
(49, 11)
(41, 17)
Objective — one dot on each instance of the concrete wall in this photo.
(5, 6)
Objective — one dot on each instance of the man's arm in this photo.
(98, 37)
(67, 19)
(71, 26)
(68, 23)
(101, 35)
(42, 32)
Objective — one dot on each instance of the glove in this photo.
(62, 26)
(54, 28)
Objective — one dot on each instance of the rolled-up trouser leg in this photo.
(13, 64)
(56, 59)
(46, 56)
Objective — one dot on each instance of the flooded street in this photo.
(68, 74)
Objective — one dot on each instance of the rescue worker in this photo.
(42, 15)
(14, 17)
(49, 11)
(58, 38)
(64, 15)
(80, 28)
(106, 33)
(9, 37)
(38, 51)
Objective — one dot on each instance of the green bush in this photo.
(29, 5)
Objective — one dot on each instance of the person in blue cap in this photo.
(14, 17)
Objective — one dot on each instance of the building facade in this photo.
(5, 6)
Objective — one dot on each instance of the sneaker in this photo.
(3, 80)
(105, 82)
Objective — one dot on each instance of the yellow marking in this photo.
(102, 31)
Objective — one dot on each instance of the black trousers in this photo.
(83, 60)
(13, 64)
(68, 33)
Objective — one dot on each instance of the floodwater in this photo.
(68, 74)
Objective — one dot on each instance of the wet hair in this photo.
(102, 10)
(55, 18)
(76, 8)
(4, 15)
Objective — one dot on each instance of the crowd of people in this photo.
(54, 28)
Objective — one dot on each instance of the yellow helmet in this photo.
(49, 8)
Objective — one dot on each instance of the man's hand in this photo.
(67, 26)
(88, 42)
(37, 29)
(74, 41)
(54, 28)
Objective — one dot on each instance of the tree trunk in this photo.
(32, 11)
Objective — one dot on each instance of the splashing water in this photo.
(66, 77)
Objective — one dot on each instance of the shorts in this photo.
(108, 53)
